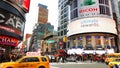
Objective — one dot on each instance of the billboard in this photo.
(96, 24)
(8, 41)
(90, 8)
(11, 24)
(24, 3)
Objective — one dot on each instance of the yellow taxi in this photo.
(28, 62)
(111, 57)
(114, 63)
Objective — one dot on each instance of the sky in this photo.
(32, 16)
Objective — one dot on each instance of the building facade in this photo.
(42, 14)
(12, 22)
(62, 18)
(92, 24)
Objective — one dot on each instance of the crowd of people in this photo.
(7, 57)
(64, 57)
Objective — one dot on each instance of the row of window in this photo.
(34, 59)
(61, 33)
(104, 10)
(106, 2)
(97, 40)
(62, 27)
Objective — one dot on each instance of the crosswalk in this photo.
(74, 63)
(52, 64)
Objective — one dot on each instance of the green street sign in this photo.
(87, 3)
(50, 41)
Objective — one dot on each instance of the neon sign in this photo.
(8, 41)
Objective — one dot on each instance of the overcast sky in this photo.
(32, 16)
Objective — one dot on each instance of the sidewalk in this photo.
(78, 62)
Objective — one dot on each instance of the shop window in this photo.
(80, 40)
(88, 40)
(112, 41)
(97, 40)
(106, 40)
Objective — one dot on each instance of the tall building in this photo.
(62, 18)
(43, 32)
(43, 14)
(116, 17)
(92, 24)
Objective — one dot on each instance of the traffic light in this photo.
(65, 39)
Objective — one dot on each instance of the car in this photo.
(51, 58)
(114, 64)
(111, 57)
(28, 62)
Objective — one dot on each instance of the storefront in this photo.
(93, 40)
(93, 33)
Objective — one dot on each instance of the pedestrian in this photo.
(91, 58)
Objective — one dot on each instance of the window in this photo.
(106, 40)
(101, 1)
(75, 3)
(88, 40)
(80, 40)
(97, 40)
(104, 10)
(43, 59)
(74, 13)
(31, 59)
(106, 2)
(107, 11)
(74, 9)
(65, 31)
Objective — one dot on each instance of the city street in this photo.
(78, 65)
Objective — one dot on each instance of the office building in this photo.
(93, 25)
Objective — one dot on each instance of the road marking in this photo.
(73, 63)
(53, 67)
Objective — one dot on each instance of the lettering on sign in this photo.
(89, 23)
(88, 10)
(11, 21)
(8, 40)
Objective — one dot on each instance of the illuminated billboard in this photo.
(90, 8)
(96, 24)
(8, 41)
(11, 25)
(24, 3)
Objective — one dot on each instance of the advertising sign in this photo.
(8, 41)
(24, 3)
(33, 54)
(10, 24)
(91, 8)
(96, 24)
(88, 8)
